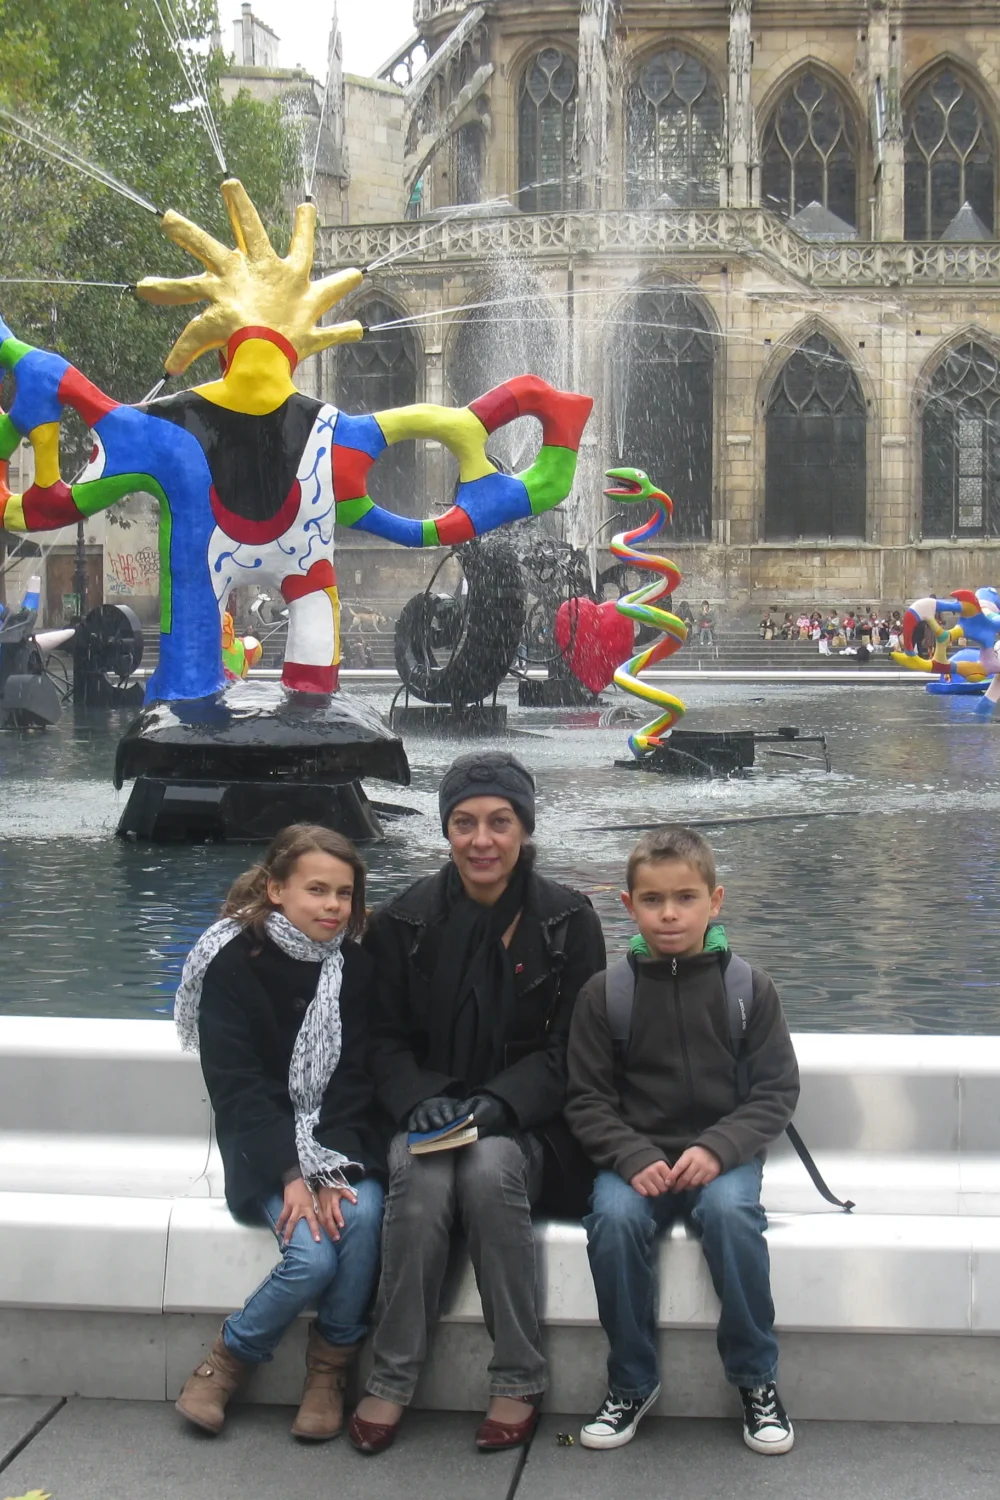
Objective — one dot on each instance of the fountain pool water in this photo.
(881, 920)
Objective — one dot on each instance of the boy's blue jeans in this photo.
(622, 1231)
(337, 1279)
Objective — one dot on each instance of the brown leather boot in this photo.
(321, 1415)
(207, 1390)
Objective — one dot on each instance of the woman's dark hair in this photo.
(247, 901)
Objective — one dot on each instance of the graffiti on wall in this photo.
(131, 551)
(132, 573)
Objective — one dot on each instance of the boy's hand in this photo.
(653, 1180)
(694, 1168)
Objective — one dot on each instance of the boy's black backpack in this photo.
(737, 978)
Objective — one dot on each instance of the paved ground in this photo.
(133, 1450)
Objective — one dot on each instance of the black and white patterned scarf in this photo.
(317, 1047)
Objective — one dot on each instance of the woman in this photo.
(477, 971)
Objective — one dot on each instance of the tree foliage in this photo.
(104, 77)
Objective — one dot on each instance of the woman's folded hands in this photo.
(435, 1113)
(489, 1114)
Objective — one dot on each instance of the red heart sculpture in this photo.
(594, 640)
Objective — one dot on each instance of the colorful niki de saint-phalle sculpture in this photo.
(976, 668)
(250, 474)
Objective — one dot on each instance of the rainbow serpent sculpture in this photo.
(632, 486)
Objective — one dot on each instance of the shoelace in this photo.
(764, 1405)
(612, 1409)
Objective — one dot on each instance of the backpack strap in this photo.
(619, 997)
(805, 1157)
(738, 982)
(737, 977)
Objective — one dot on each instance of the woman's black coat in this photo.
(557, 945)
(253, 999)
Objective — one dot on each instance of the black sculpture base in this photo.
(691, 752)
(701, 753)
(437, 718)
(554, 692)
(175, 810)
(254, 759)
(256, 731)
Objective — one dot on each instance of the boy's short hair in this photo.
(673, 841)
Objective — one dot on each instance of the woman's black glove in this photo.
(489, 1114)
(435, 1114)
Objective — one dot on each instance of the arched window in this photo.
(961, 446)
(809, 152)
(546, 125)
(815, 472)
(509, 335)
(950, 156)
(673, 132)
(467, 164)
(378, 372)
(662, 404)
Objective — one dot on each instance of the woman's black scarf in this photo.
(472, 992)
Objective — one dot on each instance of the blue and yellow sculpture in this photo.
(974, 669)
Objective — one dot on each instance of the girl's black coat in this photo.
(252, 1005)
(557, 945)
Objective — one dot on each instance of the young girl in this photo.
(274, 997)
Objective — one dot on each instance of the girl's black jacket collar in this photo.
(252, 1002)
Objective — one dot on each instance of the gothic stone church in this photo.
(763, 236)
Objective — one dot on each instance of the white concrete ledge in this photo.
(65, 1250)
(111, 1208)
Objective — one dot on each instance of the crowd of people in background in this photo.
(849, 631)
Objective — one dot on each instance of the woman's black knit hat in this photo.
(490, 773)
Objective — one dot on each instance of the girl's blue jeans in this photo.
(336, 1278)
(622, 1231)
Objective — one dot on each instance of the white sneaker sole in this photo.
(618, 1439)
(757, 1446)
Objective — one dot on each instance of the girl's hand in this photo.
(299, 1204)
(331, 1215)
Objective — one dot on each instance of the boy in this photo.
(670, 1135)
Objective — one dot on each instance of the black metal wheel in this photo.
(457, 648)
(110, 643)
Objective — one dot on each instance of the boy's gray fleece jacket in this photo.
(676, 1086)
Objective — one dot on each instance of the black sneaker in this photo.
(766, 1428)
(615, 1423)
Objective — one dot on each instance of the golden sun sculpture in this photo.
(251, 286)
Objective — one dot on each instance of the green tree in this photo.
(105, 78)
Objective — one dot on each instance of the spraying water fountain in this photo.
(518, 312)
